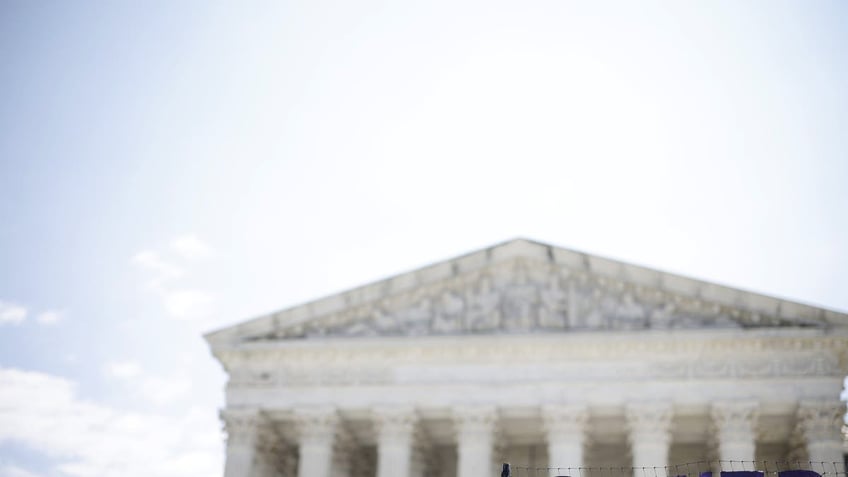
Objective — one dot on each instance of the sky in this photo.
(169, 168)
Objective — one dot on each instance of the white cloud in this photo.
(152, 262)
(191, 247)
(11, 313)
(179, 302)
(86, 439)
(50, 317)
(9, 470)
(122, 369)
(188, 304)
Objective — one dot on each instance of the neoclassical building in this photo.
(536, 355)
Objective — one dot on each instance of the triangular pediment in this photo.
(527, 287)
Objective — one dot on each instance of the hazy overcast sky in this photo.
(167, 168)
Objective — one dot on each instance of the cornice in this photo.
(537, 347)
(754, 354)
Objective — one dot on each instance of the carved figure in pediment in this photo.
(598, 307)
(661, 316)
(356, 328)
(384, 321)
(688, 320)
(754, 318)
(483, 307)
(630, 315)
(713, 317)
(554, 308)
(670, 315)
(519, 303)
(415, 320)
(313, 331)
(722, 320)
(573, 314)
(448, 313)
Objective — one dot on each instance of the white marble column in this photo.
(395, 427)
(735, 430)
(475, 426)
(565, 427)
(649, 433)
(819, 424)
(242, 428)
(316, 436)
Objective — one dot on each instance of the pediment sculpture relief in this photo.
(523, 297)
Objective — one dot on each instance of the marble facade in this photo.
(533, 354)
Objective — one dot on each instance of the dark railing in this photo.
(718, 468)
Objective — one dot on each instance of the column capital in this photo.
(241, 425)
(649, 421)
(316, 424)
(475, 421)
(735, 420)
(820, 420)
(564, 420)
(735, 425)
(394, 422)
(243, 428)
